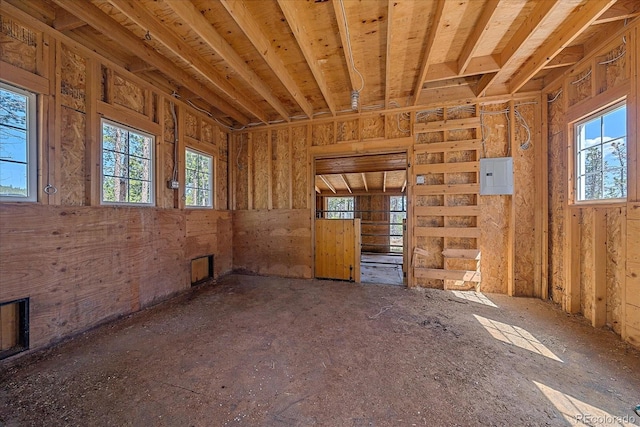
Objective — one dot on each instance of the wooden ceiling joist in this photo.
(344, 179)
(137, 65)
(535, 19)
(66, 21)
(387, 74)
(572, 28)
(251, 28)
(328, 184)
(102, 22)
(300, 33)
(158, 31)
(431, 38)
(474, 39)
(623, 9)
(568, 56)
(199, 24)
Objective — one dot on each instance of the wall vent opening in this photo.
(14, 327)
(201, 269)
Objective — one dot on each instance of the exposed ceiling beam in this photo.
(137, 65)
(318, 190)
(102, 22)
(134, 10)
(458, 81)
(299, 31)
(623, 9)
(387, 74)
(534, 20)
(344, 179)
(364, 180)
(384, 182)
(199, 24)
(568, 56)
(449, 70)
(65, 21)
(251, 28)
(474, 39)
(327, 183)
(341, 18)
(433, 31)
(578, 21)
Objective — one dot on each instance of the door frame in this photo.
(363, 148)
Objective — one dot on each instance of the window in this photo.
(398, 212)
(198, 179)
(127, 165)
(601, 155)
(18, 152)
(339, 208)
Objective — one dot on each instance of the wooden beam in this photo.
(341, 18)
(364, 180)
(297, 25)
(436, 273)
(137, 65)
(344, 179)
(534, 20)
(623, 9)
(203, 28)
(251, 28)
(471, 210)
(461, 232)
(102, 22)
(599, 268)
(327, 183)
(433, 31)
(391, 4)
(384, 182)
(430, 190)
(568, 56)
(479, 30)
(138, 14)
(449, 70)
(65, 21)
(578, 21)
(318, 190)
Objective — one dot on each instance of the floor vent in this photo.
(201, 269)
(14, 327)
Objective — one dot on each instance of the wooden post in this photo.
(542, 202)
(511, 239)
(270, 167)
(181, 157)
(250, 171)
(92, 134)
(571, 261)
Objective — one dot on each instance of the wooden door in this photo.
(338, 249)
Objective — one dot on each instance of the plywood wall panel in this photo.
(347, 130)
(73, 73)
(397, 125)
(222, 177)
(615, 266)
(373, 127)
(276, 242)
(322, 134)
(281, 172)
(128, 94)
(260, 168)
(72, 156)
(191, 128)
(586, 265)
(239, 167)
(300, 167)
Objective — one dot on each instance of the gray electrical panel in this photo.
(496, 176)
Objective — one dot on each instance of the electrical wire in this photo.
(348, 37)
(174, 175)
(555, 97)
(583, 78)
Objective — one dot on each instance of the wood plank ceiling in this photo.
(252, 62)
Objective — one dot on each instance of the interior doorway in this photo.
(371, 189)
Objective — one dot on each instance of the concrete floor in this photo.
(257, 351)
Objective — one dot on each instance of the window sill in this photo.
(614, 203)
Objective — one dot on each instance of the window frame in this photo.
(212, 178)
(152, 165)
(575, 150)
(341, 213)
(32, 145)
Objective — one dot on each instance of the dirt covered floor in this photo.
(256, 351)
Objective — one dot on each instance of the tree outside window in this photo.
(199, 179)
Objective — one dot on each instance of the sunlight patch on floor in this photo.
(473, 296)
(577, 412)
(516, 336)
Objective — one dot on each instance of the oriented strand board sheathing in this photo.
(18, 44)
(191, 126)
(373, 127)
(524, 199)
(208, 133)
(580, 86)
(169, 125)
(280, 171)
(90, 264)
(166, 195)
(322, 134)
(239, 167)
(260, 169)
(612, 68)
(615, 266)
(397, 125)
(128, 94)
(586, 266)
(73, 72)
(557, 193)
(300, 167)
(275, 242)
(72, 180)
(347, 130)
(221, 177)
